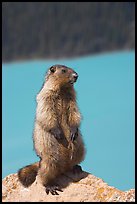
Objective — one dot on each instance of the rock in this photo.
(82, 187)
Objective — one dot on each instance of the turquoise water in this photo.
(105, 94)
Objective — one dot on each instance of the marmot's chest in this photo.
(62, 108)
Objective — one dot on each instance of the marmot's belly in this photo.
(72, 154)
(62, 152)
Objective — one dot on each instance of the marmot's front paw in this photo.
(73, 133)
(57, 132)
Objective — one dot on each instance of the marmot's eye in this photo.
(63, 70)
(52, 69)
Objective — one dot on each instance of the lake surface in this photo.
(106, 99)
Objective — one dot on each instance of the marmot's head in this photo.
(61, 75)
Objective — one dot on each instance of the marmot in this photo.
(57, 138)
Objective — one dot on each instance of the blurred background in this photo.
(97, 39)
(50, 30)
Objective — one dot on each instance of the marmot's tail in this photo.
(27, 174)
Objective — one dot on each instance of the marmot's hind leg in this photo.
(48, 172)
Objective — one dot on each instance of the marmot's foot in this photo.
(77, 169)
(52, 189)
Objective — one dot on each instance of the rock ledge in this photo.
(84, 187)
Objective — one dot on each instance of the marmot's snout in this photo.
(75, 76)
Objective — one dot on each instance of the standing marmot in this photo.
(57, 139)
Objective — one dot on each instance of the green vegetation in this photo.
(65, 29)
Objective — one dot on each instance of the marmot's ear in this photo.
(52, 69)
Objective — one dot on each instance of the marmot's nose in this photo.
(75, 75)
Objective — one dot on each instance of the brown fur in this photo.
(56, 108)
(28, 174)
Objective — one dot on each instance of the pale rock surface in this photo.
(83, 187)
